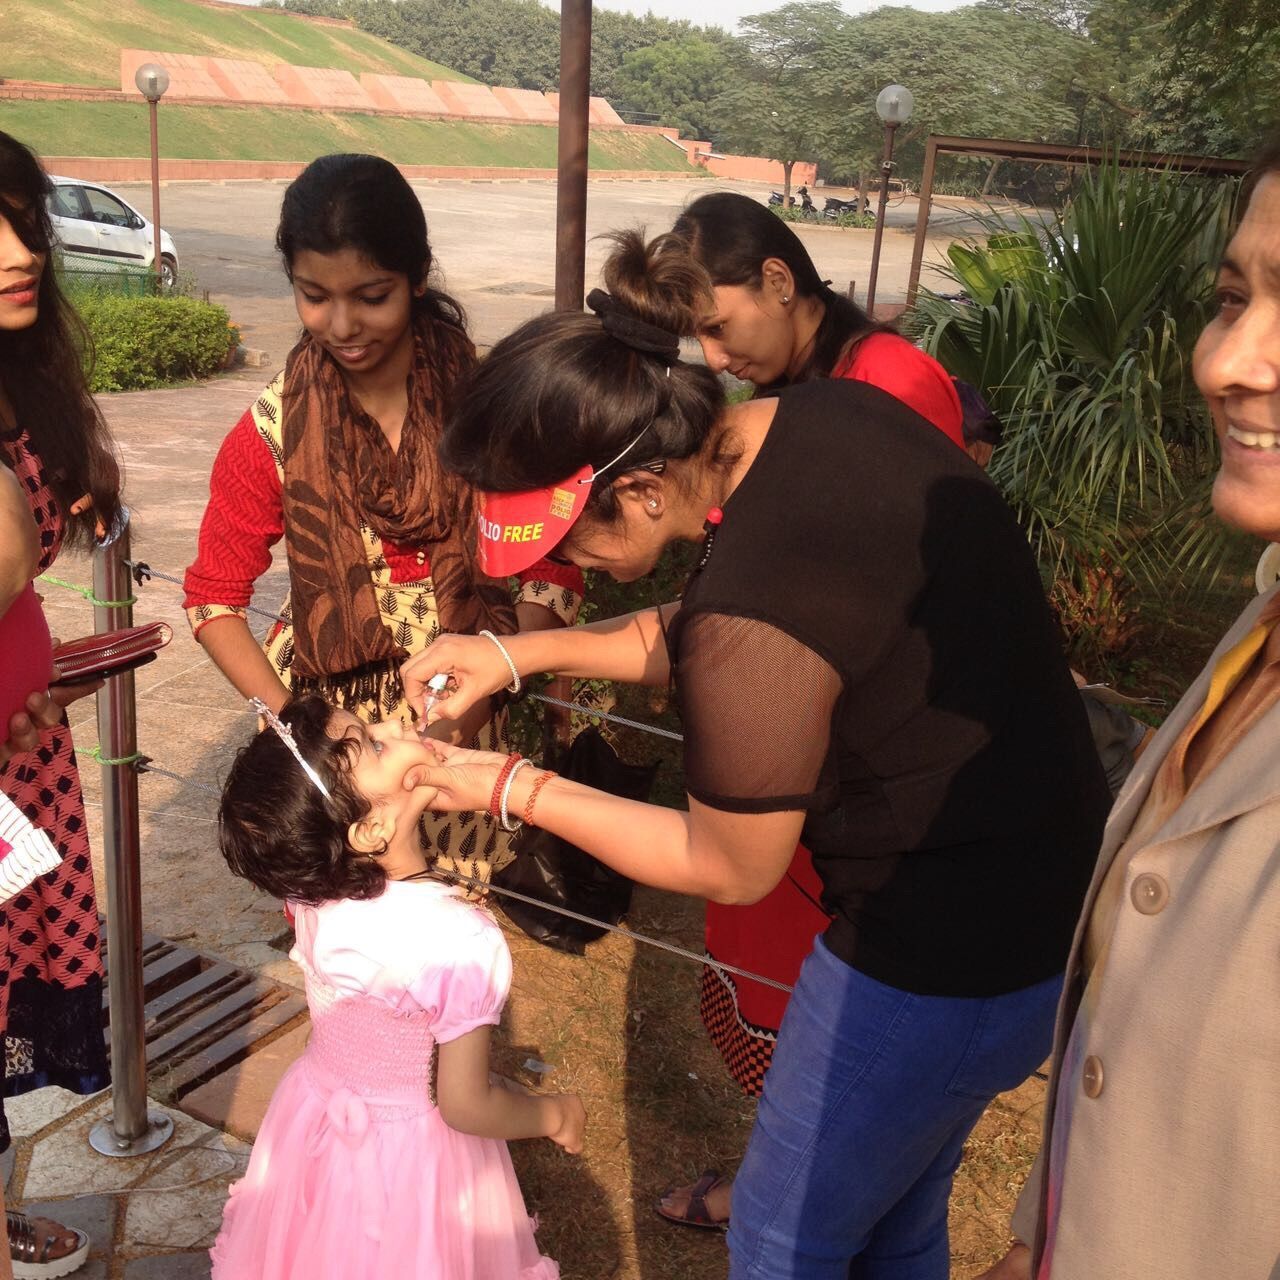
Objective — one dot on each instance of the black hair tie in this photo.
(631, 331)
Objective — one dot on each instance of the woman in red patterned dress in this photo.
(54, 440)
(775, 322)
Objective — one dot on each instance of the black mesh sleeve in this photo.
(757, 707)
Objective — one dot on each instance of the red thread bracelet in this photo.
(539, 782)
(495, 801)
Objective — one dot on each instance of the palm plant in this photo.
(1078, 328)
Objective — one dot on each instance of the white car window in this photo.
(106, 208)
(67, 202)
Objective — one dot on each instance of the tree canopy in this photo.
(799, 82)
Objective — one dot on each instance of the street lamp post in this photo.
(152, 81)
(893, 106)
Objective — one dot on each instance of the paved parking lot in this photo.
(494, 243)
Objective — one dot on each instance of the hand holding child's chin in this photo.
(463, 779)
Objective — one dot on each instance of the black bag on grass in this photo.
(555, 871)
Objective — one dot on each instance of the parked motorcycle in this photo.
(833, 208)
(801, 197)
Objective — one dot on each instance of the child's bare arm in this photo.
(471, 1103)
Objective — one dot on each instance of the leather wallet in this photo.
(110, 654)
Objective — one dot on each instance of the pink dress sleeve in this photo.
(469, 988)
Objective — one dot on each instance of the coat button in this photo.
(1149, 893)
(1091, 1077)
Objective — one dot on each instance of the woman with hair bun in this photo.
(863, 654)
(338, 457)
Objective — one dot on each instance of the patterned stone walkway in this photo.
(152, 1217)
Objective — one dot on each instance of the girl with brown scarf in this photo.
(338, 457)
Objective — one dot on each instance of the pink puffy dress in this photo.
(355, 1175)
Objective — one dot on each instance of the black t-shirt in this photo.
(869, 641)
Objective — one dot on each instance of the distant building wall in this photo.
(322, 87)
(757, 169)
(189, 75)
(138, 169)
(600, 112)
(403, 93)
(245, 81)
(526, 104)
(474, 100)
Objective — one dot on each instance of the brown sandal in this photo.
(696, 1214)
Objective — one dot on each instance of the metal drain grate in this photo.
(203, 1016)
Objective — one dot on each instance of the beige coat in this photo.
(1173, 1165)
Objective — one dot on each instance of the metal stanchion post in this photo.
(132, 1130)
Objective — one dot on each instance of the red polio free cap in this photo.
(517, 530)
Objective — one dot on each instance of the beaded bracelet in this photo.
(541, 781)
(495, 800)
(514, 686)
(504, 818)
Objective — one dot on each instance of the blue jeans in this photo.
(866, 1108)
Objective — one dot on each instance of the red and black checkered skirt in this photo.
(771, 938)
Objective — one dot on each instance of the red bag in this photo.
(110, 654)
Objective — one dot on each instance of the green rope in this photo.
(95, 753)
(87, 593)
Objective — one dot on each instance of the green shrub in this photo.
(1078, 328)
(141, 342)
(865, 221)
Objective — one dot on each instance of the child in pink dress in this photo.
(360, 1170)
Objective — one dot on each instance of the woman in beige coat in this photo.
(1161, 1157)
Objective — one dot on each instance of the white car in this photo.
(99, 233)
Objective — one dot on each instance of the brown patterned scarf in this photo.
(340, 470)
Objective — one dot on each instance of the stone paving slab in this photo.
(152, 1216)
(95, 1216)
(237, 1100)
(173, 1266)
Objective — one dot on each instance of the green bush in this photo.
(1078, 328)
(141, 342)
(865, 221)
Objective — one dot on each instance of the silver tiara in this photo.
(285, 734)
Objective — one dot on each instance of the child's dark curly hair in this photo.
(278, 832)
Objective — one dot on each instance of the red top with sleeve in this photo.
(893, 364)
(245, 519)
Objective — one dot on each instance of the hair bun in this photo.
(633, 332)
(657, 281)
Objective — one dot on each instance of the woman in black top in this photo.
(863, 654)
